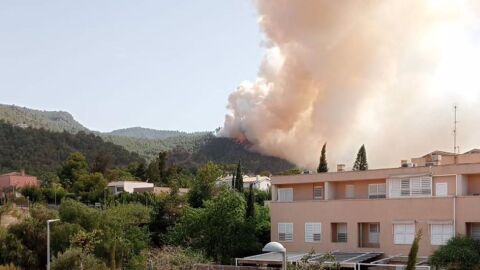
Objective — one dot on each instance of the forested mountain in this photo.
(148, 133)
(227, 151)
(40, 150)
(187, 149)
(51, 120)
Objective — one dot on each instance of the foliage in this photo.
(42, 152)
(78, 213)
(323, 166)
(75, 166)
(250, 211)
(220, 229)
(326, 261)
(175, 258)
(75, 259)
(166, 212)
(361, 163)
(90, 187)
(460, 252)
(20, 245)
(239, 178)
(291, 172)
(204, 185)
(9, 267)
(412, 255)
(33, 193)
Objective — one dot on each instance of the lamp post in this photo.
(48, 241)
(279, 248)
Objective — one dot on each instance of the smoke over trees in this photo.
(384, 73)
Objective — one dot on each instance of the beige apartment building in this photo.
(379, 210)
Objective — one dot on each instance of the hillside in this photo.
(148, 133)
(57, 121)
(39, 150)
(228, 151)
(187, 149)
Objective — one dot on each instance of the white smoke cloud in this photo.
(381, 73)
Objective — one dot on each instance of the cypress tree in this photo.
(250, 211)
(162, 166)
(233, 180)
(412, 255)
(323, 166)
(239, 177)
(361, 163)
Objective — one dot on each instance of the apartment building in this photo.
(379, 210)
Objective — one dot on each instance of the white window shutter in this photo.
(441, 189)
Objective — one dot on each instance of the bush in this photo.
(175, 258)
(460, 252)
(74, 259)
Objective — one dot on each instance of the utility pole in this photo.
(456, 148)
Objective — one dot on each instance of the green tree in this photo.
(204, 185)
(361, 163)
(33, 193)
(103, 160)
(162, 166)
(219, 229)
(239, 178)
(90, 187)
(460, 252)
(233, 180)
(412, 255)
(75, 259)
(323, 166)
(75, 166)
(167, 209)
(250, 211)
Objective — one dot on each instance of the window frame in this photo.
(285, 224)
(377, 194)
(405, 233)
(323, 192)
(314, 225)
(444, 235)
(350, 187)
(280, 198)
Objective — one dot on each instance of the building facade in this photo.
(127, 186)
(17, 180)
(379, 210)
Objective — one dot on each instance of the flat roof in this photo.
(376, 174)
(345, 258)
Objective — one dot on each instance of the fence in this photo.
(229, 267)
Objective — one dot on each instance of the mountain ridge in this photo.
(186, 149)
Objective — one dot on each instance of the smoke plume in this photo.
(381, 73)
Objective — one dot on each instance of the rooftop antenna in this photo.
(456, 148)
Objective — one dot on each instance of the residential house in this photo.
(379, 210)
(127, 186)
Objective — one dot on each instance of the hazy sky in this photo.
(116, 64)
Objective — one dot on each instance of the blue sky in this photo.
(116, 64)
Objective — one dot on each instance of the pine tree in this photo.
(239, 177)
(323, 166)
(250, 211)
(361, 163)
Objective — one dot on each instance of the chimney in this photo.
(404, 163)
(340, 167)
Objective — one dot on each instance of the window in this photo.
(410, 187)
(441, 189)
(285, 232)
(473, 230)
(373, 233)
(339, 232)
(285, 194)
(377, 191)
(313, 232)
(440, 233)
(403, 233)
(318, 193)
(349, 191)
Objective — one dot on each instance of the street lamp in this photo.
(278, 248)
(48, 241)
